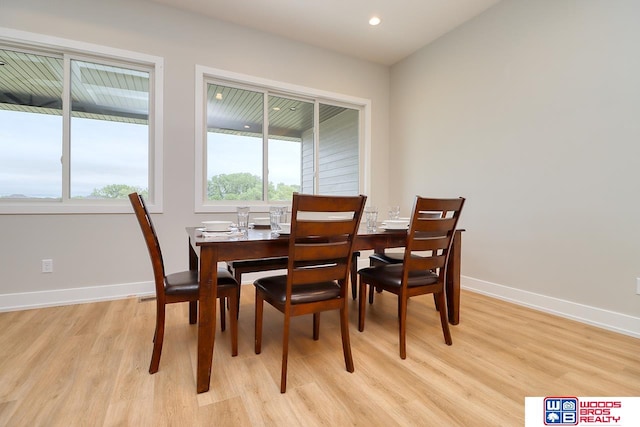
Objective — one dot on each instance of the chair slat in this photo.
(433, 224)
(309, 252)
(323, 228)
(426, 263)
(318, 274)
(430, 244)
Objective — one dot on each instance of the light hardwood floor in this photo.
(86, 365)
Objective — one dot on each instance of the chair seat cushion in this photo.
(276, 288)
(186, 282)
(391, 275)
(387, 258)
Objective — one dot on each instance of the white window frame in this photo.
(89, 51)
(203, 73)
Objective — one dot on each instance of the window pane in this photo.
(234, 143)
(290, 123)
(30, 125)
(245, 157)
(338, 163)
(109, 147)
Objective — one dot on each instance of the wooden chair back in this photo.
(151, 239)
(323, 231)
(431, 231)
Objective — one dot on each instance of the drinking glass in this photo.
(276, 217)
(394, 212)
(371, 217)
(243, 218)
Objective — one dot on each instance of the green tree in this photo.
(117, 191)
(245, 186)
(282, 191)
(234, 186)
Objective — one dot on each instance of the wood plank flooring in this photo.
(87, 365)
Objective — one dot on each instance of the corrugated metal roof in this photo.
(33, 83)
(240, 111)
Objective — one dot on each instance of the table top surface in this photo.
(265, 234)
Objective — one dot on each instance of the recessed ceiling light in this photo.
(218, 96)
(247, 126)
(374, 21)
(276, 108)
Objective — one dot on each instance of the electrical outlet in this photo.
(47, 266)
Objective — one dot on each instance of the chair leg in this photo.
(223, 314)
(238, 276)
(402, 325)
(233, 320)
(316, 326)
(435, 300)
(444, 321)
(193, 312)
(361, 304)
(258, 322)
(158, 337)
(346, 344)
(354, 275)
(285, 354)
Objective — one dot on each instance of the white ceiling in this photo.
(342, 25)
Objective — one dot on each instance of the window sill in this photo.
(53, 208)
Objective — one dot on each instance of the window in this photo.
(260, 143)
(77, 132)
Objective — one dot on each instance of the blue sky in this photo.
(244, 154)
(31, 148)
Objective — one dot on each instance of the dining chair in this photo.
(318, 269)
(382, 258)
(180, 287)
(423, 269)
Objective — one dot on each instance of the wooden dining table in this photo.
(206, 252)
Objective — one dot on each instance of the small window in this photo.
(77, 133)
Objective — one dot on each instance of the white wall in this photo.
(92, 252)
(531, 112)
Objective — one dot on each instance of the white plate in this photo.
(221, 235)
(385, 227)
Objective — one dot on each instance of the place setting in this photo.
(219, 230)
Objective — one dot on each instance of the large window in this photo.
(262, 143)
(76, 131)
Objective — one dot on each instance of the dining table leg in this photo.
(453, 279)
(193, 266)
(207, 315)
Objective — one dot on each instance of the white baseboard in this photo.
(610, 320)
(28, 300)
(605, 319)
